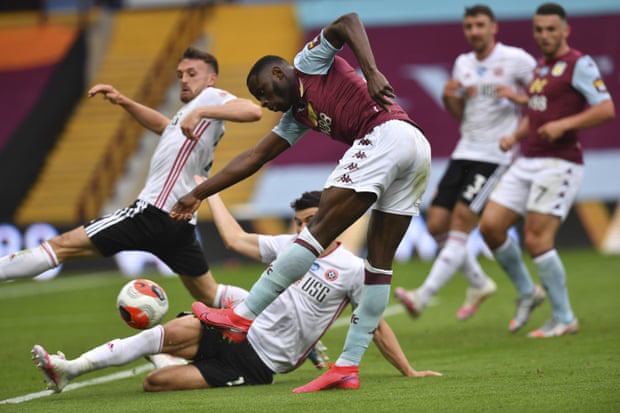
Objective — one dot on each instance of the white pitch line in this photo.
(104, 379)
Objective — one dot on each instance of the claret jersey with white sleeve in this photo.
(287, 330)
(487, 118)
(177, 159)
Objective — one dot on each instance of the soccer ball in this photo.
(142, 303)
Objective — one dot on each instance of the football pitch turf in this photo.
(485, 368)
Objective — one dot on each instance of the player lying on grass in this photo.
(279, 340)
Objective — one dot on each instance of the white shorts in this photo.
(544, 185)
(393, 161)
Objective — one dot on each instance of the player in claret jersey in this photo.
(387, 167)
(542, 184)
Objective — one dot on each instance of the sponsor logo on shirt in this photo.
(537, 85)
(558, 69)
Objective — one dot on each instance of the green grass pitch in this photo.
(486, 369)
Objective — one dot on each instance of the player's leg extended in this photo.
(540, 230)
(178, 337)
(496, 220)
(338, 209)
(48, 255)
(384, 234)
(453, 254)
(204, 288)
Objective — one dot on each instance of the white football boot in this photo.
(53, 367)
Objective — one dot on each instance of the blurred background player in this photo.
(279, 340)
(542, 184)
(145, 225)
(386, 168)
(484, 95)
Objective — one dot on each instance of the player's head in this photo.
(305, 208)
(196, 71)
(272, 82)
(551, 29)
(479, 27)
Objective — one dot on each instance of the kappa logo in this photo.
(331, 275)
(360, 155)
(345, 178)
(352, 166)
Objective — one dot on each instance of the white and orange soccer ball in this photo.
(142, 303)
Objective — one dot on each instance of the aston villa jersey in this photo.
(561, 88)
(333, 98)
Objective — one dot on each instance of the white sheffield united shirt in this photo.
(487, 118)
(285, 332)
(177, 159)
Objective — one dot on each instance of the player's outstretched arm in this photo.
(234, 237)
(147, 117)
(389, 346)
(242, 166)
(236, 110)
(349, 29)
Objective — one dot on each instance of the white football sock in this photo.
(449, 260)
(118, 352)
(28, 263)
(474, 274)
(229, 296)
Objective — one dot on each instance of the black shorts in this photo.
(470, 182)
(225, 364)
(143, 227)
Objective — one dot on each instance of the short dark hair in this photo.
(309, 199)
(479, 9)
(208, 58)
(262, 63)
(551, 9)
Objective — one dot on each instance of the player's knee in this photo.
(153, 383)
(490, 232)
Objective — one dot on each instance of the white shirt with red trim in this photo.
(177, 159)
(285, 332)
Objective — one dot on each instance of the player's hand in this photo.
(452, 88)
(188, 126)
(109, 93)
(185, 207)
(503, 91)
(199, 179)
(507, 143)
(552, 131)
(423, 373)
(380, 90)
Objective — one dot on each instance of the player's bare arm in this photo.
(147, 117)
(503, 91)
(242, 166)
(388, 344)
(506, 143)
(349, 29)
(236, 110)
(589, 118)
(452, 99)
(234, 237)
